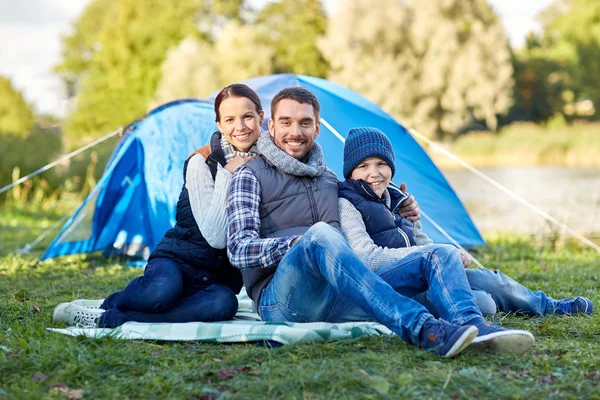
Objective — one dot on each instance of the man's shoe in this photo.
(573, 305)
(85, 303)
(495, 339)
(72, 314)
(445, 339)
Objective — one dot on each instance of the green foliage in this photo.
(571, 39)
(293, 27)
(436, 66)
(541, 85)
(196, 68)
(123, 73)
(79, 48)
(16, 117)
(20, 156)
(564, 363)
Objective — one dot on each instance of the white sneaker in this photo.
(85, 303)
(73, 314)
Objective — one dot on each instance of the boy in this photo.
(368, 207)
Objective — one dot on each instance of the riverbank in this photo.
(526, 144)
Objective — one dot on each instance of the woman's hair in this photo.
(236, 90)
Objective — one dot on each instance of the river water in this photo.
(571, 195)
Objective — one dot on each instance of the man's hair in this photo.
(298, 94)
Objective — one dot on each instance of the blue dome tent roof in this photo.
(134, 202)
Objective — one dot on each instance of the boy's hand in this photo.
(409, 208)
(466, 258)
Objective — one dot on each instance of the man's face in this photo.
(294, 128)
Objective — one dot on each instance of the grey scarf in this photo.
(230, 152)
(314, 166)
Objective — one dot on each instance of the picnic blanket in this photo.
(246, 327)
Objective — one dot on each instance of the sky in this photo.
(30, 32)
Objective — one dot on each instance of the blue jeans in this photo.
(505, 293)
(321, 279)
(168, 292)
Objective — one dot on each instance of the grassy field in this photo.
(35, 363)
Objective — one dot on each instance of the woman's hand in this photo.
(237, 162)
(409, 208)
(466, 258)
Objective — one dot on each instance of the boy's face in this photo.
(376, 172)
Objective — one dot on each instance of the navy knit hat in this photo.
(366, 142)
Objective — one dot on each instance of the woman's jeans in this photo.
(168, 292)
(321, 279)
(494, 290)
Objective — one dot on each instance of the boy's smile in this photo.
(376, 172)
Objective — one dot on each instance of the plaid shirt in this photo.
(245, 248)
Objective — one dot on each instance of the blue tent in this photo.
(133, 204)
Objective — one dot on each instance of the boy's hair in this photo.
(298, 94)
(362, 143)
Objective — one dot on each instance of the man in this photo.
(283, 234)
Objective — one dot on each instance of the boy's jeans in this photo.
(320, 279)
(502, 292)
(168, 292)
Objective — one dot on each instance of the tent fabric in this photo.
(134, 202)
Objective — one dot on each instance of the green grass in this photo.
(527, 144)
(35, 363)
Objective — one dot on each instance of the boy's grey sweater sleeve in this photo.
(353, 227)
(421, 238)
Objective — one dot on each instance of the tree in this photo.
(436, 65)
(571, 38)
(196, 68)
(79, 47)
(293, 27)
(16, 116)
(121, 76)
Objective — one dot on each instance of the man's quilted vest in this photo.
(289, 205)
(384, 225)
(185, 244)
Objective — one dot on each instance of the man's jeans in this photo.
(168, 292)
(493, 290)
(321, 279)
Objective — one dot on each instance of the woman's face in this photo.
(240, 122)
(376, 172)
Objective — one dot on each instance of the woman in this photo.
(188, 276)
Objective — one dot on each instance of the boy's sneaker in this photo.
(573, 305)
(495, 339)
(445, 339)
(85, 303)
(72, 314)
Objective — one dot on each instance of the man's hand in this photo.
(236, 162)
(466, 258)
(409, 208)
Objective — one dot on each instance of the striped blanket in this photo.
(246, 327)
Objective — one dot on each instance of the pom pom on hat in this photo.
(365, 142)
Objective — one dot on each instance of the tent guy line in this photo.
(506, 190)
(60, 160)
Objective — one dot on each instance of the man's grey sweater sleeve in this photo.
(353, 227)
